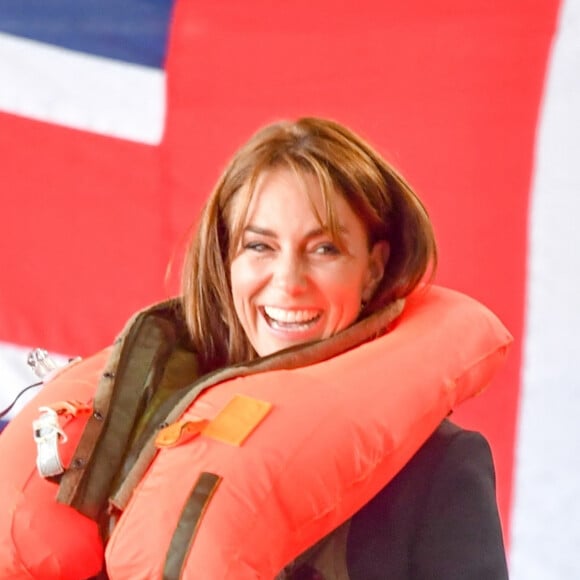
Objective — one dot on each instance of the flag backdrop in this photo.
(117, 118)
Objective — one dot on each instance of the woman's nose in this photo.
(289, 273)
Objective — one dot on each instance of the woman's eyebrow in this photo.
(258, 230)
(310, 234)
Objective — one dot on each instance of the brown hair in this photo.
(341, 161)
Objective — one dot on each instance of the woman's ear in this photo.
(378, 258)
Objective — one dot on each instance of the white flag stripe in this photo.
(81, 91)
(546, 513)
(16, 375)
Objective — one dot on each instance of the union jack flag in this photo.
(117, 117)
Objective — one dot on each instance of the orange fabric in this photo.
(337, 433)
(38, 537)
(73, 408)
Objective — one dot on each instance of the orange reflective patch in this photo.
(237, 419)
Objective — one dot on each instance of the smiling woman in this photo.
(296, 183)
(288, 273)
(286, 416)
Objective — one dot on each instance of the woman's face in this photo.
(290, 282)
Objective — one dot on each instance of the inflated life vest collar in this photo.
(338, 432)
(295, 357)
(86, 488)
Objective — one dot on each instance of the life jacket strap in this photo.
(189, 523)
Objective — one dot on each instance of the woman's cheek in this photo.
(246, 275)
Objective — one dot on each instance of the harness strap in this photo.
(100, 451)
(188, 525)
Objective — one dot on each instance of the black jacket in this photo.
(437, 519)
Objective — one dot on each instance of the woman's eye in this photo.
(256, 246)
(327, 248)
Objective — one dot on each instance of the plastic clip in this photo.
(47, 435)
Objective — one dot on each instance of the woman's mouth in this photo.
(294, 320)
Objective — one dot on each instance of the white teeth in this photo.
(290, 316)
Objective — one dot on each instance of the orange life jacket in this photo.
(257, 468)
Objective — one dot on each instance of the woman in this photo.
(307, 232)
(319, 231)
(320, 158)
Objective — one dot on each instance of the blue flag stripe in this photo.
(134, 31)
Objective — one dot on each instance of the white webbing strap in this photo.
(47, 435)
